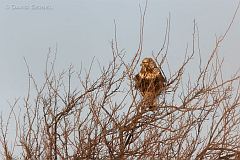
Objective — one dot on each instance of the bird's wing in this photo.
(137, 80)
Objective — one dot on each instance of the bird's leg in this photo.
(149, 102)
(153, 105)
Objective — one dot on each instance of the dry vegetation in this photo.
(100, 119)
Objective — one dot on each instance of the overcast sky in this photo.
(83, 29)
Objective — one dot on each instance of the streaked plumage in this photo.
(149, 81)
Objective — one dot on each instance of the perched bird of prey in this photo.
(150, 82)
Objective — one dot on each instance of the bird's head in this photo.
(148, 64)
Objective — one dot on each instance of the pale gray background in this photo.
(84, 28)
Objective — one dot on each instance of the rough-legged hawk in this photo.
(150, 82)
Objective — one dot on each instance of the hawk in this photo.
(150, 82)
